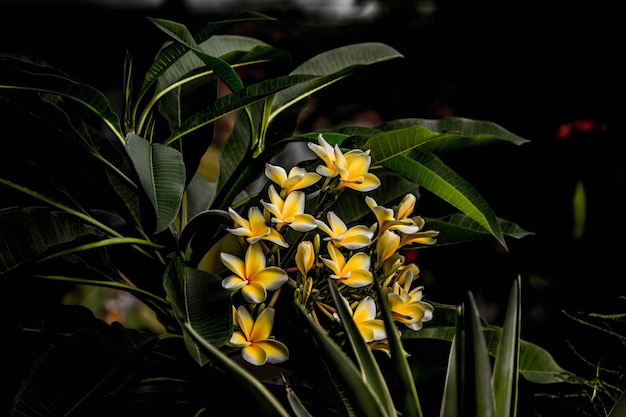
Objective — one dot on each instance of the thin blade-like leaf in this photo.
(506, 368)
(362, 352)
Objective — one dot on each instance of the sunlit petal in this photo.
(275, 351)
(356, 237)
(233, 283)
(254, 293)
(275, 173)
(365, 310)
(358, 278)
(303, 223)
(254, 354)
(263, 325)
(233, 263)
(271, 278)
(238, 339)
(255, 260)
(387, 245)
(406, 207)
(245, 321)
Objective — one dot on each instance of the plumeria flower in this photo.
(394, 219)
(426, 237)
(305, 257)
(356, 237)
(405, 303)
(289, 211)
(328, 154)
(364, 317)
(354, 273)
(255, 228)
(297, 179)
(386, 246)
(253, 336)
(354, 172)
(252, 276)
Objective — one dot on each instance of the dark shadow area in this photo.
(535, 72)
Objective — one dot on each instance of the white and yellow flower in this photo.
(255, 229)
(297, 179)
(254, 337)
(356, 237)
(289, 211)
(252, 276)
(364, 316)
(354, 273)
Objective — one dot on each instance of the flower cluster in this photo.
(355, 257)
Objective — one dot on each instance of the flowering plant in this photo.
(302, 296)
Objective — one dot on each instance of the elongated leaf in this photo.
(453, 389)
(170, 54)
(335, 61)
(22, 75)
(364, 399)
(161, 171)
(93, 362)
(401, 380)
(459, 228)
(266, 404)
(506, 366)
(386, 145)
(363, 354)
(29, 232)
(233, 102)
(478, 395)
(433, 174)
(457, 132)
(202, 304)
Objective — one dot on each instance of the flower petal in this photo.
(275, 351)
(263, 325)
(254, 354)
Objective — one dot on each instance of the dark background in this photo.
(530, 68)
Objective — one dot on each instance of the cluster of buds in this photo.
(355, 257)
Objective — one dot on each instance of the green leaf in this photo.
(506, 366)
(334, 65)
(386, 145)
(93, 362)
(478, 395)
(22, 75)
(432, 173)
(252, 389)
(202, 304)
(233, 102)
(459, 228)
(362, 353)
(161, 171)
(400, 381)
(458, 133)
(27, 233)
(364, 398)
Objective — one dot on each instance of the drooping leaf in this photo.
(26, 233)
(457, 133)
(23, 75)
(93, 362)
(459, 228)
(200, 302)
(363, 355)
(161, 171)
(334, 65)
(432, 173)
(265, 403)
(364, 399)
